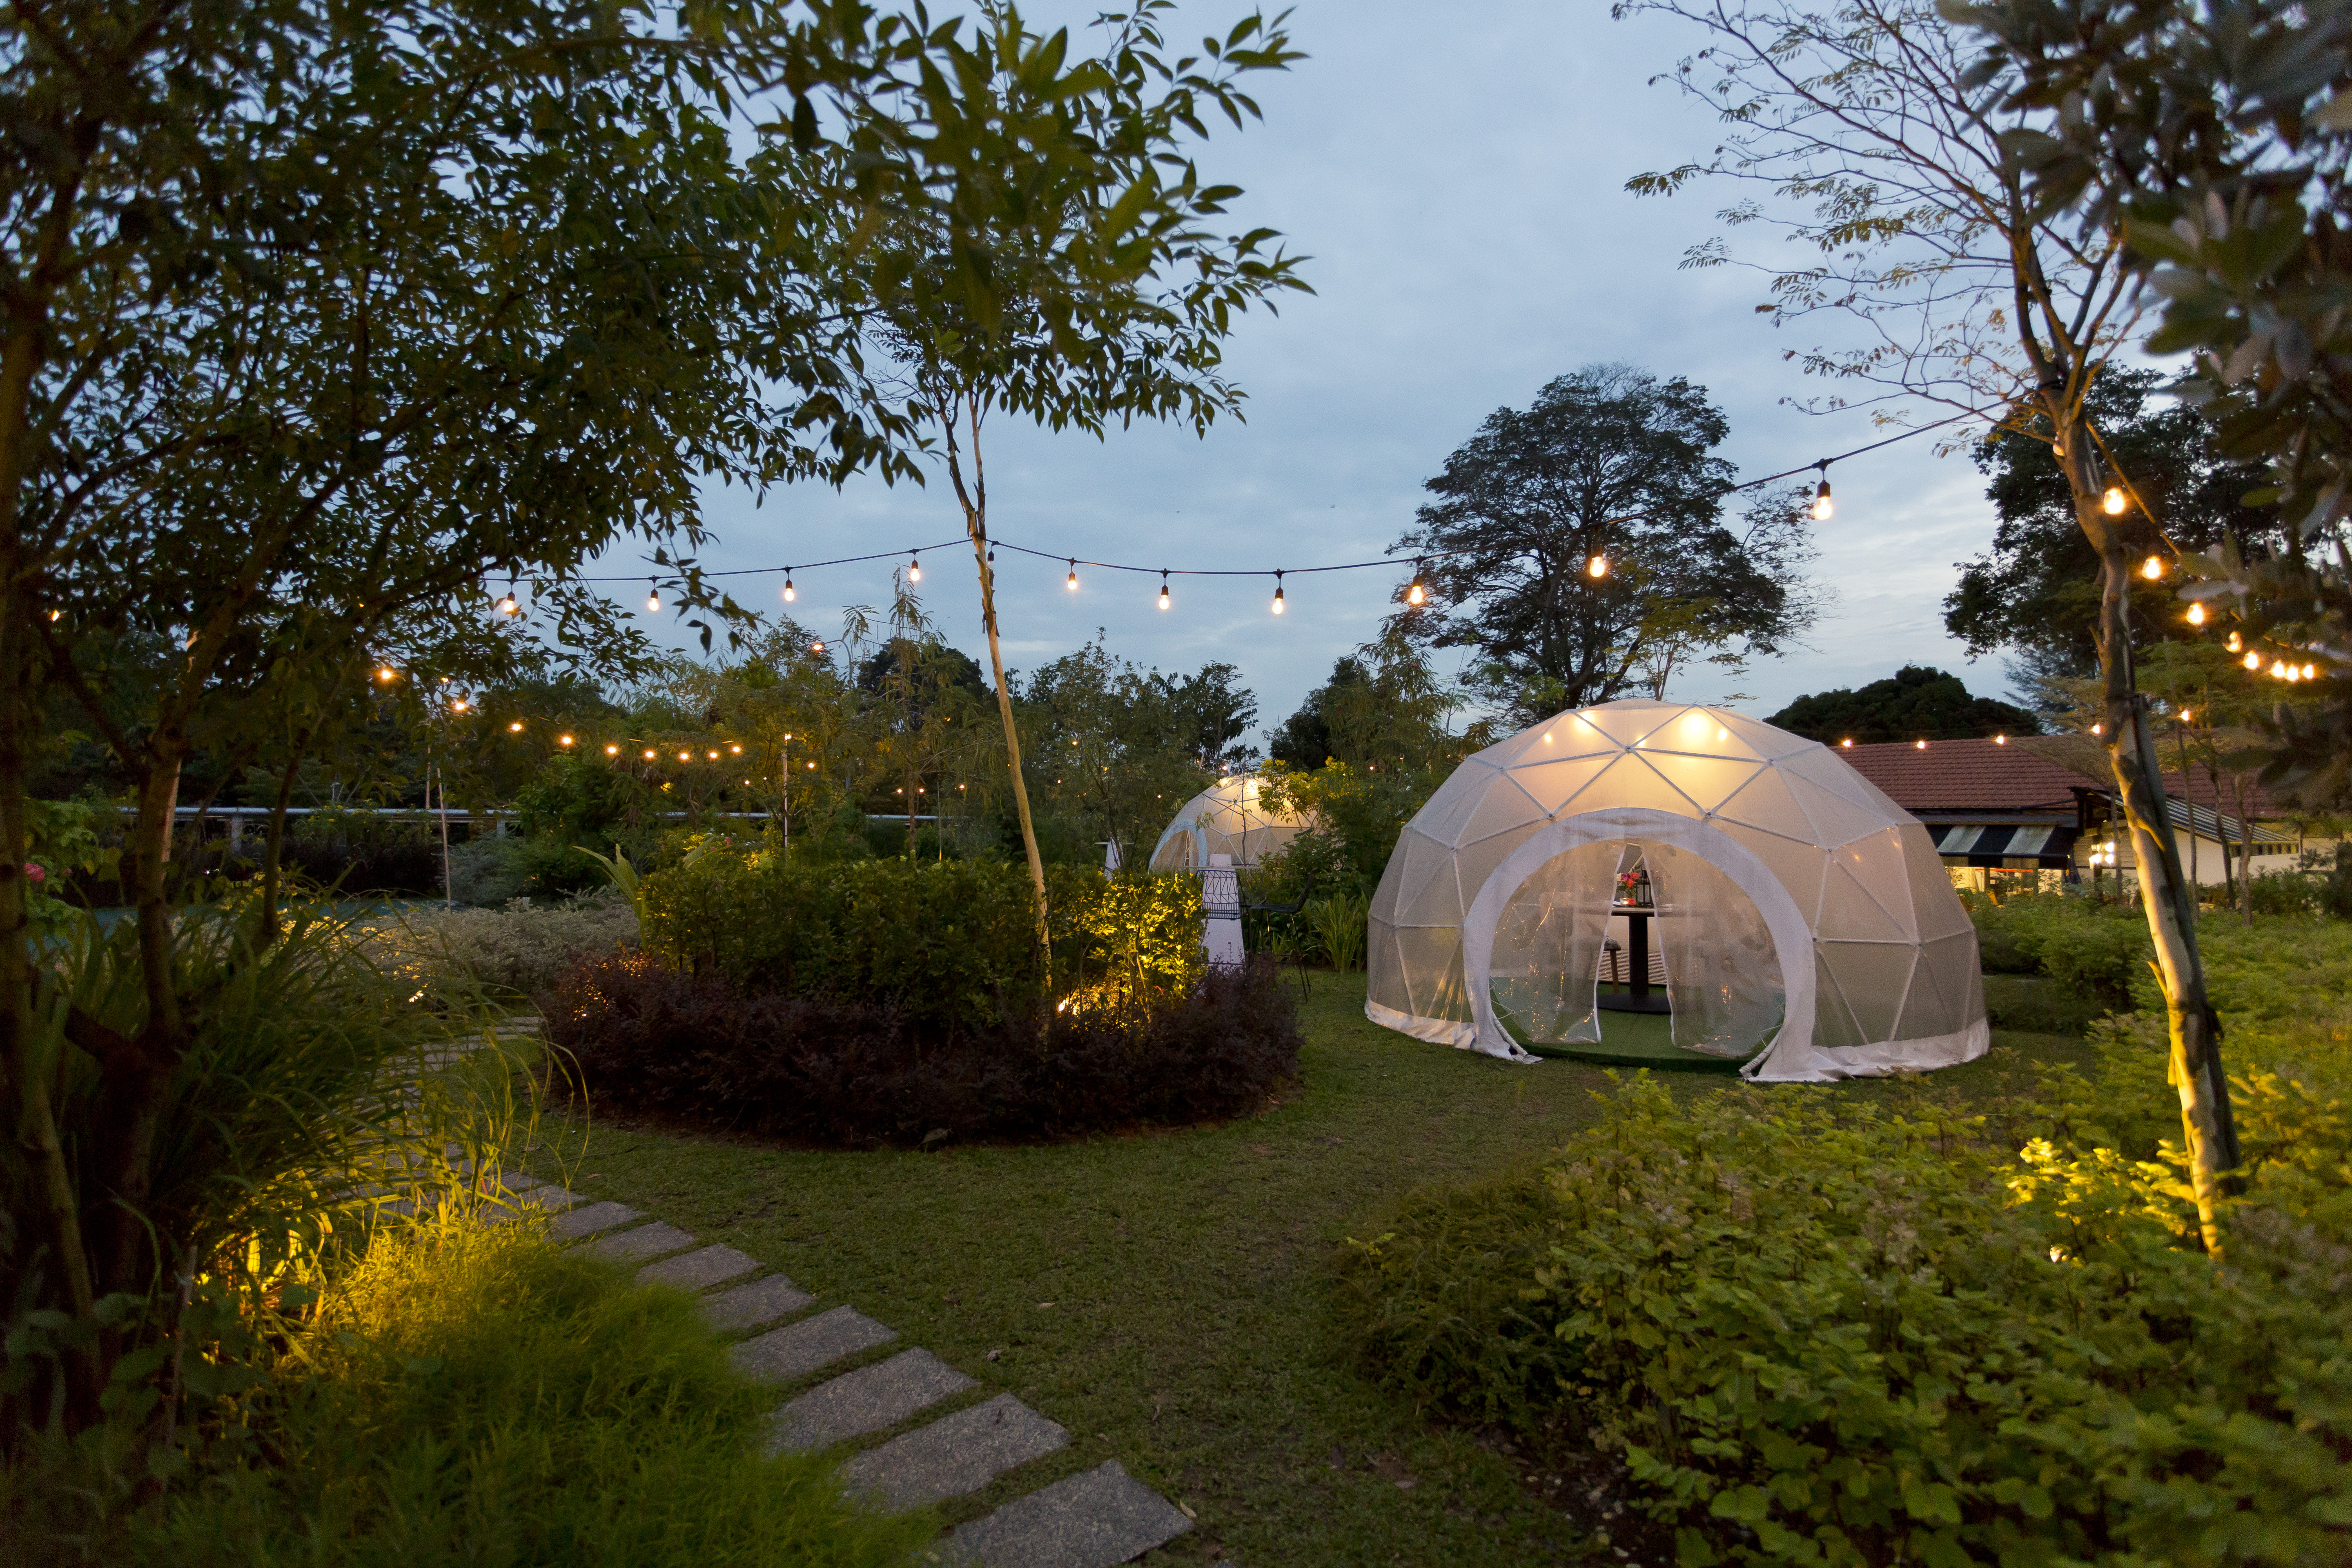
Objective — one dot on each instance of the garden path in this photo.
(852, 1383)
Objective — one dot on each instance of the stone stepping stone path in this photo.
(1096, 1519)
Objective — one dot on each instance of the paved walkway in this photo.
(964, 1442)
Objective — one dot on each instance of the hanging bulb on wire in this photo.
(1073, 574)
(2152, 568)
(507, 605)
(1277, 593)
(2236, 643)
(2196, 614)
(914, 566)
(1597, 567)
(2253, 660)
(1416, 595)
(816, 648)
(2113, 501)
(1823, 508)
(652, 598)
(1163, 590)
(790, 592)
(2311, 673)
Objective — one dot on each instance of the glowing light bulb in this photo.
(2196, 614)
(649, 756)
(2311, 673)
(686, 756)
(2113, 503)
(1597, 567)
(612, 751)
(1823, 508)
(1848, 741)
(2000, 740)
(515, 728)
(387, 673)
(2253, 661)
(507, 605)
(737, 750)
(790, 592)
(2152, 568)
(2187, 714)
(2098, 729)
(812, 767)
(1163, 590)
(816, 648)
(58, 614)
(563, 740)
(457, 704)
(2278, 669)
(653, 600)
(914, 568)
(2235, 644)
(1277, 593)
(1921, 744)
(1073, 576)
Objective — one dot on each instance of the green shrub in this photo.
(514, 951)
(467, 1395)
(1818, 1334)
(2091, 947)
(951, 943)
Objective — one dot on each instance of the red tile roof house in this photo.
(2043, 807)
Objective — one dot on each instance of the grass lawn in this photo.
(1161, 1296)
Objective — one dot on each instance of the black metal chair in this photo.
(1297, 954)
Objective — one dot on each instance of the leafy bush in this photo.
(949, 946)
(362, 852)
(2032, 1005)
(469, 1395)
(518, 951)
(1341, 928)
(649, 1039)
(1814, 1334)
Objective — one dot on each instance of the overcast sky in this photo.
(1456, 173)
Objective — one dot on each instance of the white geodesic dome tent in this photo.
(1802, 922)
(1231, 818)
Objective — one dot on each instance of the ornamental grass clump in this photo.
(1814, 1334)
(480, 1396)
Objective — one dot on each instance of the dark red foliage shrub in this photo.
(649, 1040)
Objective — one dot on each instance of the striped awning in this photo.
(1992, 843)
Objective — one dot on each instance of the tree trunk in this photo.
(2245, 852)
(2207, 1132)
(974, 501)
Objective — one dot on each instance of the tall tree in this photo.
(2035, 593)
(1609, 465)
(2216, 140)
(1867, 135)
(1914, 703)
(1074, 288)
